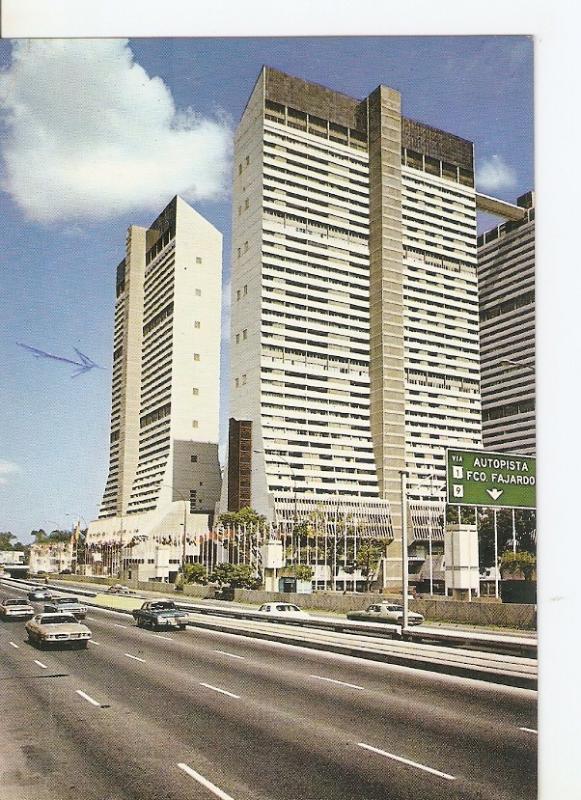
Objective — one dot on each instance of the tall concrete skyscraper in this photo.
(165, 390)
(354, 303)
(506, 268)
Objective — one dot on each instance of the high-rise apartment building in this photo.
(506, 270)
(354, 350)
(165, 390)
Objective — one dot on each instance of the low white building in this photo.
(12, 557)
(53, 557)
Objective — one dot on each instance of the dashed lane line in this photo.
(40, 664)
(225, 653)
(222, 691)
(407, 761)
(341, 683)
(92, 641)
(87, 698)
(205, 782)
(13, 644)
(528, 730)
(135, 658)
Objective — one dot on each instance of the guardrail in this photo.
(468, 640)
(502, 645)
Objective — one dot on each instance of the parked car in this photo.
(59, 628)
(282, 610)
(71, 605)
(160, 614)
(385, 612)
(39, 593)
(15, 608)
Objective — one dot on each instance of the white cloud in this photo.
(494, 175)
(89, 135)
(7, 468)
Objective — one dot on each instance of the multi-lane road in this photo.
(203, 714)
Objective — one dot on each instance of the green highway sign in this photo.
(495, 480)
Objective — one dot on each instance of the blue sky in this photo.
(62, 226)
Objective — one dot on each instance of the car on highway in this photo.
(71, 605)
(39, 593)
(160, 615)
(391, 613)
(57, 628)
(15, 608)
(118, 588)
(282, 610)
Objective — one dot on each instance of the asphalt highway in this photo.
(204, 714)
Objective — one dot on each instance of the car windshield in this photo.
(66, 600)
(291, 608)
(393, 608)
(58, 619)
(14, 602)
(162, 606)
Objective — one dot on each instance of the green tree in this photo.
(368, 557)
(6, 540)
(301, 572)
(39, 536)
(246, 516)
(195, 573)
(237, 576)
(523, 562)
(525, 533)
(59, 536)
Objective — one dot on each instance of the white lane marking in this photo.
(87, 698)
(135, 658)
(341, 683)
(40, 664)
(407, 761)
(93, 619)
(118, 625)
(12, 644)
(92, 641)
(528, 730)
(205, 782)
(222, 691)
(159, 636)
(225, 653)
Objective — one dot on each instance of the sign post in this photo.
(492, 480)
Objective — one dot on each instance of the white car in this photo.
(15, 608)
(282, 610)
(57, 628)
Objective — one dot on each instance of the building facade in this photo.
(164, 476)
(506, 270)
(354, 339)
(51, 557)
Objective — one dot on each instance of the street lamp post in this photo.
(76, 543)
(404, 548)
